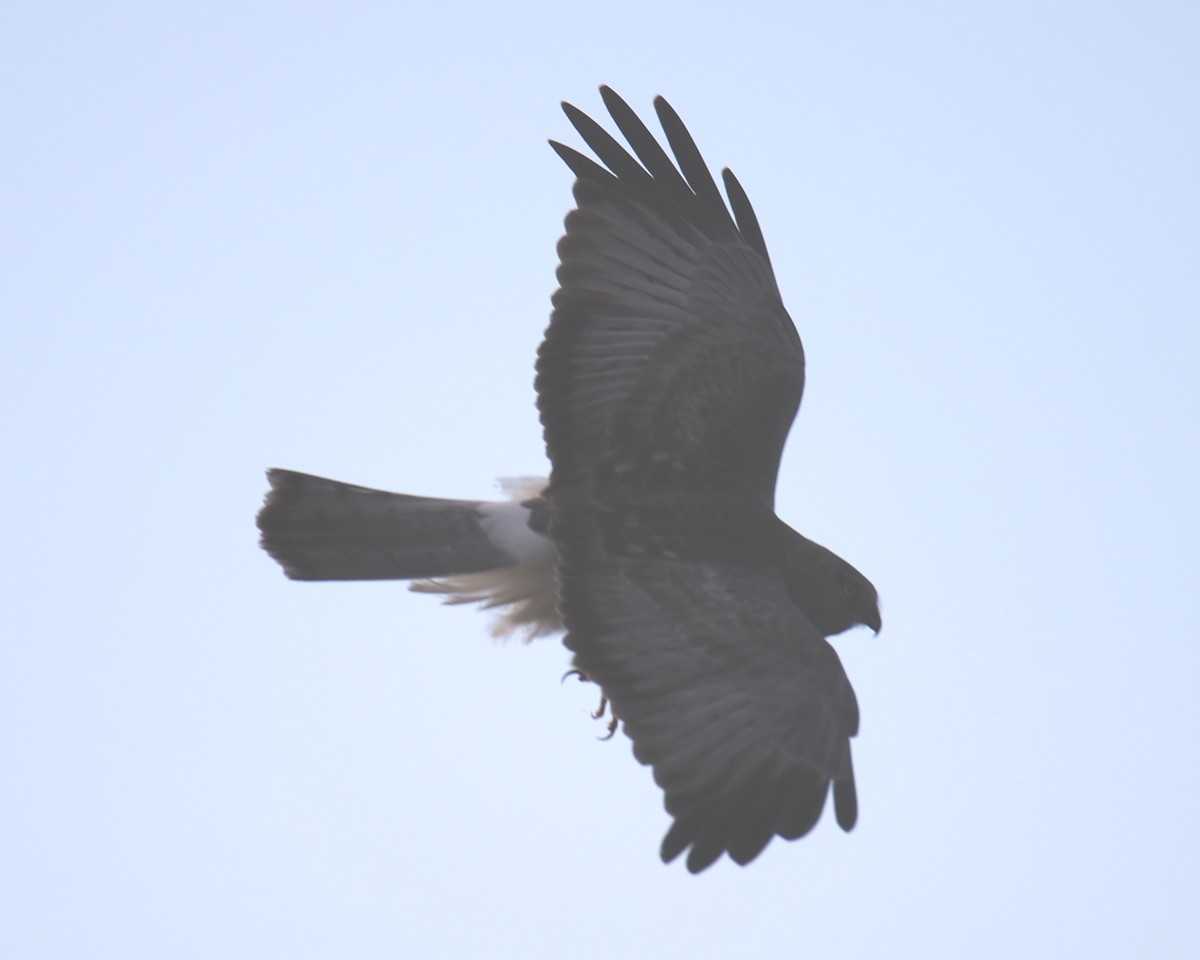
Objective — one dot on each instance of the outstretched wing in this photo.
(742, 709)
(669, 354)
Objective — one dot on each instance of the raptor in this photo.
(667, 381)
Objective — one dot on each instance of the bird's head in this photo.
(833, 595)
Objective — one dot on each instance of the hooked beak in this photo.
(873, 620)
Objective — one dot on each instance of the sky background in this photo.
(236, 236)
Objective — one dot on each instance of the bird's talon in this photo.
(612, 728)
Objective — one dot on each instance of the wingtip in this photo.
(674, 843)
(667, 114)
(845, 804)
(611, 98)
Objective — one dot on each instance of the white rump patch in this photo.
(527, 588)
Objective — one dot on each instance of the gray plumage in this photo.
(322, 529)
(667, 383)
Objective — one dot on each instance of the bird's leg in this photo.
(604, 707)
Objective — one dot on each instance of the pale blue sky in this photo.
(322, 237)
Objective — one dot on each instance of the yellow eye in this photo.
(848, 588)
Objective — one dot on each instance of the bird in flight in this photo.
(667, 382)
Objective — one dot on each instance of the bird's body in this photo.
(667, 382)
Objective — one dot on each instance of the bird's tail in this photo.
(471, 551)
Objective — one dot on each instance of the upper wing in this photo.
(742, 709)
(669, 352)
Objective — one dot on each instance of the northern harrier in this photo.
(667, 382)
